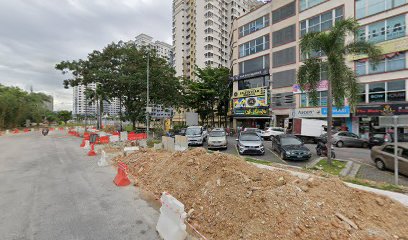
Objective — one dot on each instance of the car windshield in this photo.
(290, 141)
(217, 134)
(193, 131)
(249, 137)
(277, 129)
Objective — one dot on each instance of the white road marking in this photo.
(277, 156)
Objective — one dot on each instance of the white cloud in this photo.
(37, 34)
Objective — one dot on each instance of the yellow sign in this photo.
(167, 125)
(397, 45)
(250, 92)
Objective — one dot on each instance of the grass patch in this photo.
(253, 160)
(334, 169)
(377, 185)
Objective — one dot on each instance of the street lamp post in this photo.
(147, 100)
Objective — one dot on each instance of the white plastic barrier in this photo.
(171, 221)
(114, 138)
(143, 143)
(87, 145)
(7, 132)
(129, 150)
(103, 162)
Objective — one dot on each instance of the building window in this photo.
(283, 100)
(257, 45)
(306, 100)
(391, 62)
(284, 57)
(388, 29)
(284, 12)
(284, 35)
(284, 78)
(305, 4)
(321, 22)
(254, 26)
(254, 65)
(253, 83)
(393, 91)
(366, 8)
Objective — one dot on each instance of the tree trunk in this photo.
(134, 124)
(329, 121)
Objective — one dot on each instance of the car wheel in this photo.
(380, 164)
(282, 156)
(365, 145)
(340, 144)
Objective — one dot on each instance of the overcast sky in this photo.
(37, 34)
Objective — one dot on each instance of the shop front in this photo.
(367, 117)
(341, 116)
(251, 108)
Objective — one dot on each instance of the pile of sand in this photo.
(228, 198)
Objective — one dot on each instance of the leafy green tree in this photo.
(209, 93)
(342, 81)
(64, 116)
(120, 71)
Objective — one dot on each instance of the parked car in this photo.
(290, 147)
(259, 132)
(383, 157)
(250, 143)
(379, 139)
(347, 139)
(217, 138)
(196, 135)
(271, 132)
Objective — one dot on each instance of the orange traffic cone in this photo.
(121, 178)
(83, 143)
(92, 151)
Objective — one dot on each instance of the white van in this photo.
(196, 135)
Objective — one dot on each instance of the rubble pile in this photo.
(228, 198)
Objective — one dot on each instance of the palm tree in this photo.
(334, 46)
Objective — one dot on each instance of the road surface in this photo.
(50, 189)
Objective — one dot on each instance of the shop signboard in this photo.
(250, 92)
(398, 45)
(382, 110)
(251, 112)
(251, 102)
(323, 86)
(338, 112)
(262, 72)
(320, 112)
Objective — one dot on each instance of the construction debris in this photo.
(228, 198)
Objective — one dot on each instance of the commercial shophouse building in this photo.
(383, 87)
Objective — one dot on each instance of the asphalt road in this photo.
(355, 154)
(50, 189)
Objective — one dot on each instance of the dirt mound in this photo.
(228, 198)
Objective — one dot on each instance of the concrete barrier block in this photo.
(171, 224)
(158, 146)
(123, 136)
(114, 138)
(143, 143)
(181, 143)
(7, 132)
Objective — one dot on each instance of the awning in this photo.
(252, 117)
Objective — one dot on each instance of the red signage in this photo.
(382, 110)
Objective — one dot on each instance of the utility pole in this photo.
(147, 101)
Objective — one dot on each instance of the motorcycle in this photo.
(45, 132)
(321, 150)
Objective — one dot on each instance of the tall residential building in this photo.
(80, 107)
(266, 57)
(163, 49)
(201, 32)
